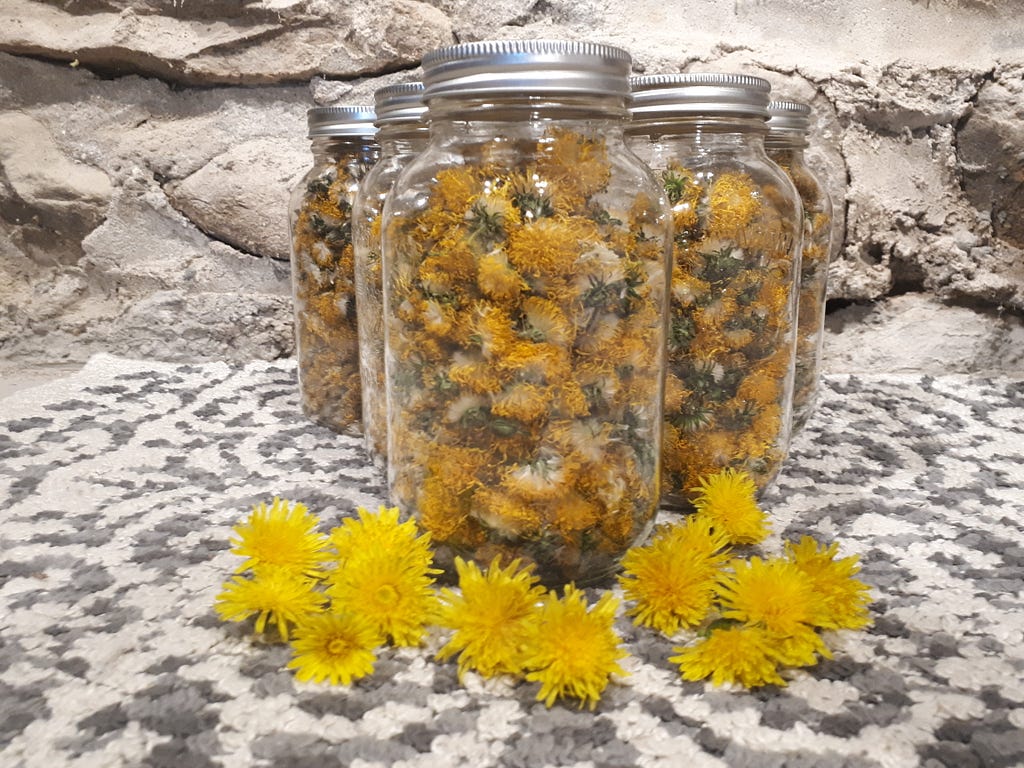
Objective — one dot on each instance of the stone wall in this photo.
(147, 148)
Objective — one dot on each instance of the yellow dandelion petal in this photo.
(573, 651)
(276, 595)
(282, 535)
(672, 579)
(442, 512)
(490, 616)
(774, 594)
(393, 593)
(727, 500)
(800, 649)
(384, 574)
(846, 598)
(339, 647)
(738, 654)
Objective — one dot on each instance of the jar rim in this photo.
(687, 94)
(526, 67)
(788, 116)
(340, 121)
(399, 103)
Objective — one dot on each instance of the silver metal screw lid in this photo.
(399, 103)
(527, 67)
(340, 121)
(699, 93)
(788, 116)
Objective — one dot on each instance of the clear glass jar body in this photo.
(786, 149)
(399, 144)
(526, 270)
(326, 338)
(728, 390)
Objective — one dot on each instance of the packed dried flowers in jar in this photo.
(787, 137)
(326, 337)
(403, 135)
(525, 257)
(736, 246)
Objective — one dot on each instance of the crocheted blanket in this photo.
(119, 486)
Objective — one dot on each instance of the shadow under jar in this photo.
(323, 265)
(525, 287)
(736, 220)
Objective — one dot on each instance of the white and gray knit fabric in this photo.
(119, 486)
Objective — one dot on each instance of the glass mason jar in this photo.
(326, 343)
(736, 216)
(403, 135)
(525, 284)
(788, 124)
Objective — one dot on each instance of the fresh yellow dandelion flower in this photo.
(672, 579)
(774, 594)
(273, 594)
(727, 500)
(573, 651)
(379, 531)
(738, 654)
(391, 590)
(733, 203)
(384, 574)
(283, 535)
(490, 616)
(799, 649)
(846, 598)
(339, 647)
